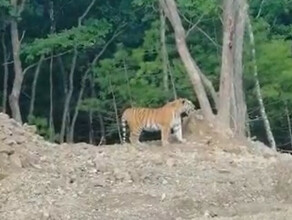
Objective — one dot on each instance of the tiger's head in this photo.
(183, 106)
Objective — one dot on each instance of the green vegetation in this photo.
(129, 70)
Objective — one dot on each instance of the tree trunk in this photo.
(258, 89)
(18, 76)
(6, 72)
(65, 90)
(92, 95)
(116, 109)
(239, 107)
(164, 55)
(78, 104)
(68, 96)
(128, 81)
(64, 75)
(51, 118)
(172, 80)
(18, 7)
(91, 132)
(33, 87)
(193, 70)
(289, 122)
(102, 130)
(227, 66)
(209, 86)
(76, 112)
(71, 77)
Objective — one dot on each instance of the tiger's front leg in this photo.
(178, 133)
(164, 136)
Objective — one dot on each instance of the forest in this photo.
(72, 67)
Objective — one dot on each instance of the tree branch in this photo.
(260, 9)
(21, 7)
(80, 19)
(194, 25)
(47, 58)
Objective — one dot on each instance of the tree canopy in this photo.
(119, 61)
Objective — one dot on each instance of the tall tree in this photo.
(6, 73)
(227, 65)
(267, 125)
(33, 87)
(71, 77)
(238, 112)
(232, 106)
(164, 55)
(18, 7)
(51, 117)
(170, 10)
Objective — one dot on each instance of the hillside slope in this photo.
(210, 177)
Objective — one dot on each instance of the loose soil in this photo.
(212, 176)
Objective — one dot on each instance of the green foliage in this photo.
(41, 124)
(130, 70)
(83, 37)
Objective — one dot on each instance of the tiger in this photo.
(165, 119)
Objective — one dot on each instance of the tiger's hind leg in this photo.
(134, 137)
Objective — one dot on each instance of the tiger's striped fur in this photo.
(164, 118)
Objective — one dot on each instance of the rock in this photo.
(10, 142)
(122, 175)
(134, 176)
(157, 159)
(100, 166)
(21, 140)
(15, 160)
(6, 150)
(170, 162)
(163, 196)
(164, 182)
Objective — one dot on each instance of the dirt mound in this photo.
(208, 177)
(19, 146)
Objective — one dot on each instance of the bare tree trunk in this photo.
(91, 132)
(116, 110)
(164, 55)
(33, 87)
(68, 96)
(18, 76)
(70, 138)
(193, 70)
(209, 86)
(239, 107)
(65, 88)
(128, 82)
(289, 122)
(172, 81)
(76, 111)
(226, 76)
(102, 130)
(51, 117)
(6, 72)
(258, 89)
(92, 95)
(247, 125)
(71, 77)
(64, 75)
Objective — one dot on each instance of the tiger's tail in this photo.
(123, 122)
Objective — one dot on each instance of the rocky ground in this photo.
(210, 177)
